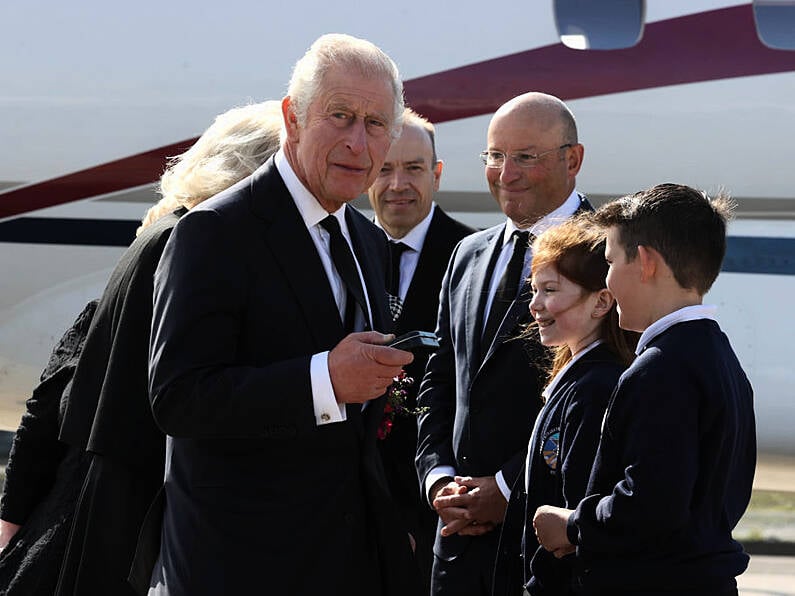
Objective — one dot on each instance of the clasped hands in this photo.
(469, 506)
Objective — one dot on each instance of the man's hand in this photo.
(454, 518)
(476, 507)
(550, 526)
(362, 367)
(7, 531)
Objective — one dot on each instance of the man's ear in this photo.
(290, 119)
(649, 261)
(604, 302)
(574, 157)
(437, 175)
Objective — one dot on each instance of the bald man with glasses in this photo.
(482, 387)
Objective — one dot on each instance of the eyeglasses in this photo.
(496, 159)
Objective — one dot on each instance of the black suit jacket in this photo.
(482, 400)
(259, 497)
(420, 310)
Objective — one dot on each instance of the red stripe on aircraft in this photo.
(711, 45)
(706, 46)
(121, 174)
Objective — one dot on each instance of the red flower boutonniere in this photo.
(396, 397)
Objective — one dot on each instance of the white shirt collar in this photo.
(415, 239)
(687, 313)
(552, 385)
(550, 220)
(311, 211)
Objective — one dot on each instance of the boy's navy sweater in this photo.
(673, 471)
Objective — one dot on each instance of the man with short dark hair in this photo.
(422, 237)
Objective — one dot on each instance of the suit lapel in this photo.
(367, 250)
(516, 315)
(426, 273)
(365, 239)
(477, 292)
(283, 227)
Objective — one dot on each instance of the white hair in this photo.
(351, 53)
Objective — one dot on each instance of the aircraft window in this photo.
(603, 25)
(775, 23)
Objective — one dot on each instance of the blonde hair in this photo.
(237, 143)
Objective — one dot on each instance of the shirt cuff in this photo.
(434, 476)
(327, 409)
(503, 486)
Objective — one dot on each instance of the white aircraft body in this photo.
(95, 96)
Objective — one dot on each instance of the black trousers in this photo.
(471, 572)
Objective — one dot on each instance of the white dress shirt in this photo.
(327, 409)
(414, 240)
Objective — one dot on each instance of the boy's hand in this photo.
(550, 526)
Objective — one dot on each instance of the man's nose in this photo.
(510, 171)
(398, 180)
(357, 136)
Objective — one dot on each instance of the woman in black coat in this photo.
(43, 477)
(108, 412)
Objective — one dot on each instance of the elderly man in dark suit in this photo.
(482, 387)
(268, 371)
(421, 239)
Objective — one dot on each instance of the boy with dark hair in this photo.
(676, 459)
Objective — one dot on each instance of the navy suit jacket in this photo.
(482, 400)
(257, 494)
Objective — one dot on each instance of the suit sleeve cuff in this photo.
(327, 409)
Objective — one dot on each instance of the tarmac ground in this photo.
(768, 576)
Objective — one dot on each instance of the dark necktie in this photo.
(396, 249)
(343, 260)
(507, 289)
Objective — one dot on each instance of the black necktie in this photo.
(507, 289)
(396, 249)
(346, 267)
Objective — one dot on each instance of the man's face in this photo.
(402, 193)
(623, 281)
(526, 195)
(338, 151)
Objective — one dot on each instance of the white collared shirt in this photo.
(326, 407)
(415, 240)
(687, 313)
(550, 220)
